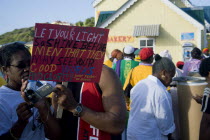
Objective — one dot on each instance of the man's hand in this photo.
(64, 97)
(198, 98)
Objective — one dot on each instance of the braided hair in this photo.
(162, 63)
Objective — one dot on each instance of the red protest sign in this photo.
(68, 53)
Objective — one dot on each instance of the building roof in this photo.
(117, 13)
(146, 30)
(207, 13)
(187, 3)
(129, 3)
(196, 13)
(103, 16)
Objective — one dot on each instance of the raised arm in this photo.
(113, 119)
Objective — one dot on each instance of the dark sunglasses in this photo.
(21, 66)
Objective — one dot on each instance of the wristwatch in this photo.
(78, 110)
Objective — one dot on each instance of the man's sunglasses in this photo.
(21, 66)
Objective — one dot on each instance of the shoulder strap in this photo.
(98, 88)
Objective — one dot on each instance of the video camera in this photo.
(35, 90)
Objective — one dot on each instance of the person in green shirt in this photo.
(123, 67)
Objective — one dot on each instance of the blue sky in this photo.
(15, 14)
(201, 2)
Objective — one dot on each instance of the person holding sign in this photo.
(18, 119)
(76, 54)
(92, 110)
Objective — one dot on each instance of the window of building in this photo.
(147, 42)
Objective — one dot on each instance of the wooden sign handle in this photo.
(60, 109)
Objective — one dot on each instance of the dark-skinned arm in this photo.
(23, 113)
(114, 117)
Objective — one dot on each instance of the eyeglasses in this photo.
(21, 66)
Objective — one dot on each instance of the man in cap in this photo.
(124, 66)
(205, 52)
(180, 64)
(140, 72)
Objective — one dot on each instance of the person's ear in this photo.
(163, 73)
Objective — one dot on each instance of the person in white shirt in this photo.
(18, 119)
(151, 115)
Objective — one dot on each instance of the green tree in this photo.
(79, 23)
(24, 34)
(27, 34)
(89, 22)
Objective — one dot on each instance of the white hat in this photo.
(128, 49)
(165, 53)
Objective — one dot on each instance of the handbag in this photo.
(128, 87)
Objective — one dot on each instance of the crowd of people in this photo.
(100, 111)
(150, 113)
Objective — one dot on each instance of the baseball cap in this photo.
(145, 53)
(205, 50)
